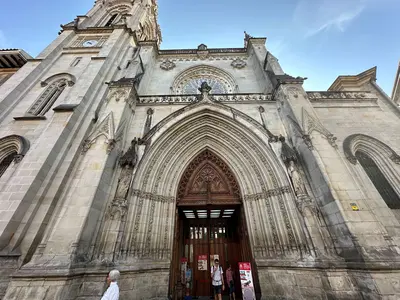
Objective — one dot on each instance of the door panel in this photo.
(210, 237)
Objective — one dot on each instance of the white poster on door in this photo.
(202, 263)
(246, 281)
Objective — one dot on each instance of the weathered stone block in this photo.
(312, 294)
(340, 284)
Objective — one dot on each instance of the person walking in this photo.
(112, 293)
(231, 282)
(217, 280)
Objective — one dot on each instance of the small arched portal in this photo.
(210, 223)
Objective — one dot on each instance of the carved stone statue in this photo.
(131, 155)
(297, 181)
(205, 88)
(124, 182)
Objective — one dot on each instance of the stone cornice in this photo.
(353, 81)
(345, 95)
(195, 51)
(185, 99)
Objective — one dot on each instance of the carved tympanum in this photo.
(208, 179)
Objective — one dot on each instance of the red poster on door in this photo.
(246, 281)
(202, 262)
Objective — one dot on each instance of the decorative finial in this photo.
(205, 91)
(246, 38)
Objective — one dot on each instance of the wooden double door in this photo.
(208, 239)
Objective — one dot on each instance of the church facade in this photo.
(115, 154)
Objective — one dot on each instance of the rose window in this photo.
(189, 81)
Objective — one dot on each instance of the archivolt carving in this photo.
(189, 80)
(169, 150)
(13, 144)
(70, 79)
(230, 110)
(370, 146)
(195, 180)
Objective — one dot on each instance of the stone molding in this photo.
(14, 144)
(368, 144)
(359, 96)
(311, 124)
(268, 194)
(168, 152)
(153, 197)
(186, 99)
(104, 128)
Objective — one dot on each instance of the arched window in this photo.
(48, 97)
(12, 148)
(379, 180)
(54, 85)
(190, 80)
(111, 20)
(379, 161)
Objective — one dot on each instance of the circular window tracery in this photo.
(189, 81)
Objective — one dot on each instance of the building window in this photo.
(76, 61)
(48, 97)
(6, 162)
(111, 20)
(379, 180)
(189, 81)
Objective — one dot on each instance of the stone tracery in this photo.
(189, 80)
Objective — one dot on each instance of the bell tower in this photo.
(140, 16)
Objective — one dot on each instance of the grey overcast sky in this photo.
(318, 39)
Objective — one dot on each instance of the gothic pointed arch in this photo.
(53, 88)
(114, 12)
(188, 81)
(12, 148)
(262, 181)
(198, 108)
(378, 160)
(208, 175)
(369, 145)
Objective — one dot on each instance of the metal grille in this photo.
(379, 180)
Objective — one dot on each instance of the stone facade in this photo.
(96, 132)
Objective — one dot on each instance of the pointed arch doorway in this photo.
(210, 223)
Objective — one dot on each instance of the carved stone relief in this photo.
(167, 65)
(310, 124)
(104, 128)
(238, 63)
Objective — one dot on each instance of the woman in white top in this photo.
(217, 280)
